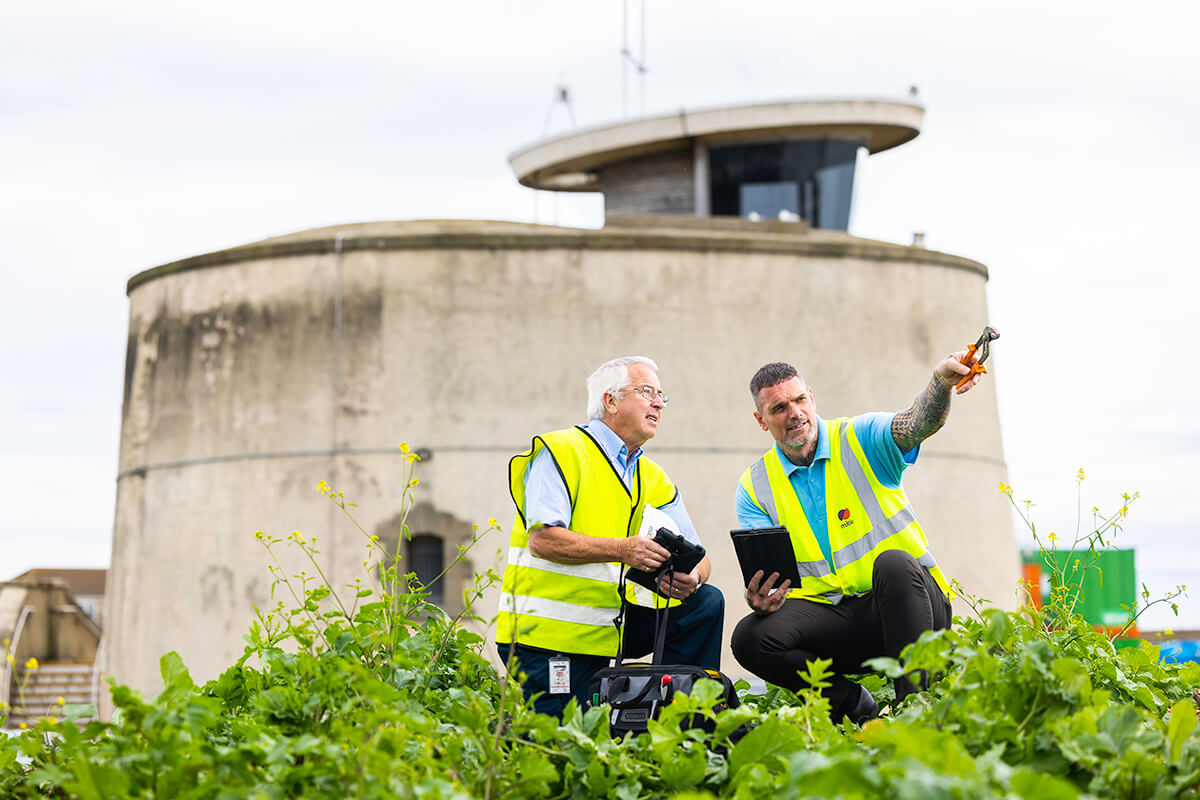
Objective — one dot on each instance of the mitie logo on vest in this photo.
(844, 516)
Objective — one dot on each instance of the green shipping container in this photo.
(1107, 586)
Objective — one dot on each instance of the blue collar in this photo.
(822, 450)
(611, 444)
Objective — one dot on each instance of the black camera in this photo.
(684, 558)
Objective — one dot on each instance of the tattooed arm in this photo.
(929, 411)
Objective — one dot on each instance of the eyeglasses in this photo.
(649, 393)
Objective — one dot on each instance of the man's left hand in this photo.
(682, 586)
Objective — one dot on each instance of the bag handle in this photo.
(660, 622)
(619, 619)
(636, 699)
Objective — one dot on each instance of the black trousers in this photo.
(904, 601)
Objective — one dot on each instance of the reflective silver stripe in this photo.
(881, 527)
(879, 531)
(526, 606)
(522, 557)
(927, 561)
(766, 499)
(812, 569)
(645, 598)
(833, 597)
(762, 489)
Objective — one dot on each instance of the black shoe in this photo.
(860, 706)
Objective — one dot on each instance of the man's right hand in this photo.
(642, 552)
(764, 597)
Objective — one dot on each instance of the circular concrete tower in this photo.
(255, 372)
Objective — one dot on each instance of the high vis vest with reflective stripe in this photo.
(865, 518)
(570, 607)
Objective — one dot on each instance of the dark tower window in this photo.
(812, 179)
(425, 558)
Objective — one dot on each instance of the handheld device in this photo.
(684, 558)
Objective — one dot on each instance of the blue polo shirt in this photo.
(546, 497)
(889, 464)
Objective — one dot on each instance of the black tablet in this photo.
(768, 549)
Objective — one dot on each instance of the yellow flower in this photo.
(1053, 536)
(1005, 489)
(322, 487)
(1081, 475)
(404, 448)
(10, 658)
(412, 457)
(492, 522)
(62, 702)
(23, 726)
(31, 664)
(52, 720)
(1168, 632)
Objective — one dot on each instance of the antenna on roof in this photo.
(627, 59)
(562, 94)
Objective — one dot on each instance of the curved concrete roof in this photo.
(643, 232)
(568, 163)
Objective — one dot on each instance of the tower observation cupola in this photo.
(790, 160)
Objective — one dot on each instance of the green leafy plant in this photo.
(369, 690)
(1083, 556)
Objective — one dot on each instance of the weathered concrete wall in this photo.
(256, 372)
(659, 183)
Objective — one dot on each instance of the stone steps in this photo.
(42, 688)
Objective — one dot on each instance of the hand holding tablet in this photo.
(768, 549)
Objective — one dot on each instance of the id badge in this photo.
(560, 675)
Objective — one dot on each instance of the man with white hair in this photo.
(581, 496)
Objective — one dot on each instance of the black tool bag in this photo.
(637, 692)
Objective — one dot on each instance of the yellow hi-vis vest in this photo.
(865, 518)
(570, 607)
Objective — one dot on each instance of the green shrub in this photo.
(390, 697)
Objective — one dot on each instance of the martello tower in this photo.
(257, 371)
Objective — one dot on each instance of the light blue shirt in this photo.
(889, 464)
(546, 497)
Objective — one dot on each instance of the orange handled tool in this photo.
(979, 351)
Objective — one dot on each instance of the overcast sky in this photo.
(1059, 148)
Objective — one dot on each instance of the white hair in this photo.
(610, 378)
